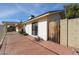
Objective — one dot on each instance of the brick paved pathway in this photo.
(15, 44)
(54, 47)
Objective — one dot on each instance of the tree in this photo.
(72, 11)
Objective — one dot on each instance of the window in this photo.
(34, 28)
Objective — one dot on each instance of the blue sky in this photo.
(16, 12)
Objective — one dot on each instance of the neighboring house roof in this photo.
(45, 14)
(10, 23)
(4, 22)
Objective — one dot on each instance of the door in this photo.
(54, 31)
(34, 28)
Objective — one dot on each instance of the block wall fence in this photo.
(69, 32)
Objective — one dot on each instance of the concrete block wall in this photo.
(2, 32)
(73, 32)
(63, 32)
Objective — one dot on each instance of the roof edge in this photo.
(56, 11)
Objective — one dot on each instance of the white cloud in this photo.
(6, 13)
(27, 11)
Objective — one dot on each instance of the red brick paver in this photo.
(54, 47)
(17, 44)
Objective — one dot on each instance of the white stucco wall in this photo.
(28, 29)
(42, 29)
(17, 30)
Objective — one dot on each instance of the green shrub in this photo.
(23, 32)
(72, 11)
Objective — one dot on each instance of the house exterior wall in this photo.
(54, 28)
(42, 26)
(28, 29)
(42, 29)
(17, 30)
